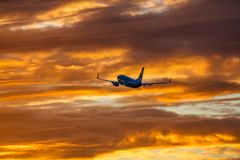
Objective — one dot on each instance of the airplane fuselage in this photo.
(129, 82)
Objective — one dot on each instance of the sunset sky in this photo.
(52, 107)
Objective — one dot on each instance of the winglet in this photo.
(98, 76)
(170, 80)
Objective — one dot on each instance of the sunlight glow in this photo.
(212, 152)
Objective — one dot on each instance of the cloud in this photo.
(193, 34)
(192, 28)
(203, 152)
(50, 52)
(91, 131)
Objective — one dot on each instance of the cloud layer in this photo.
(52, 106)
(87, 132)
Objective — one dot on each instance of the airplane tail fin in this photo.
(140, 75)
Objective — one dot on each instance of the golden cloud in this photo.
(53, 107)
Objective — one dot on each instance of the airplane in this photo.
(130, 82)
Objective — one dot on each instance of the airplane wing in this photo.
(115, 83)
(98, 77)
(149, 84)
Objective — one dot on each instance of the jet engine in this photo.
(116, 84)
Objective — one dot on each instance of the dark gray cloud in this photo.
(203, 27)
(28, 8)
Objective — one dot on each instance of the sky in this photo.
(53, 107)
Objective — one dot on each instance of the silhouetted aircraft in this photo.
(130, 82)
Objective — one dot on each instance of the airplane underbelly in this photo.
(132, 85)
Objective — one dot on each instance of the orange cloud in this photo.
(177, 153)
(53, 107)
(62, 16)
(161, 139)
(60, 132)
